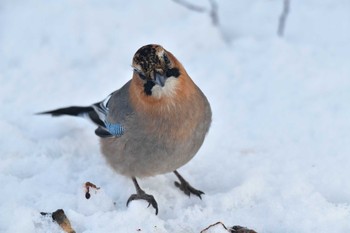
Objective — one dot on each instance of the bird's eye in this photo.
(141, 75)
(166, 59)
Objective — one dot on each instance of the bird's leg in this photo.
(186, 187)
(142, 195)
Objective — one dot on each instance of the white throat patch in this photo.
(168, 90)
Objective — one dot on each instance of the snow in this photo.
(276, 158)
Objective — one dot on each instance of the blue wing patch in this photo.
(115, 129)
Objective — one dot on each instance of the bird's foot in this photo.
(141, 195)
(188, 189)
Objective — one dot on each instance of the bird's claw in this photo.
(188, 189)
(143, 196)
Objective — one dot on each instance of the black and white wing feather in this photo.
(97, 113)
(107, 129)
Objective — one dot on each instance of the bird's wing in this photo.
(112, 112)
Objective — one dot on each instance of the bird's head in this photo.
(156, 70)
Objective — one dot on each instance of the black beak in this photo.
(159, 79)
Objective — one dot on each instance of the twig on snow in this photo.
(234, 229)
(212, 225)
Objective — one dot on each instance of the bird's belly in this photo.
(144, 157)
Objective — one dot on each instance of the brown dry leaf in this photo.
(61, 219)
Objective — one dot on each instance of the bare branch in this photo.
(190, 6)
(213, 11)
(283, 18)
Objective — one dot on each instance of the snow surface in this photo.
(278, 153)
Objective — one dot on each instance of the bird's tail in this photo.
(86, 112)
(70, 111)
(97, 113)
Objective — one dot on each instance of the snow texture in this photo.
(276, 158)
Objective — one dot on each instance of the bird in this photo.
(154, 124)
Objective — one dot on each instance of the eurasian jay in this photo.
(152, 125)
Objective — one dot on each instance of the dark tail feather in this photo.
(88, 112)
(71, 111)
